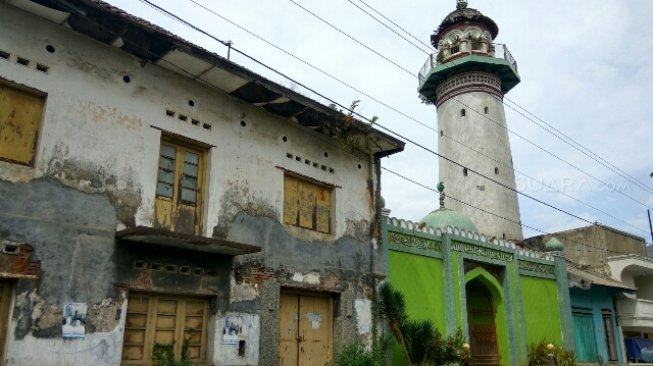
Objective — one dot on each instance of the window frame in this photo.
(182, 146)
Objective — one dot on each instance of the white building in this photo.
(163, 194)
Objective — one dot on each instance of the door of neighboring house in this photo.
(584, 335)
(5, 304)
(164, 320)
(305, 325)
(178, 204)
(481, 318)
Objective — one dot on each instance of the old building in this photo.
(152, 192)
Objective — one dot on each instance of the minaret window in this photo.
(486, 110)
(441, 133)
(496, 170)
(455, 49)
(477, 46)
(464, 172)
(462, 112)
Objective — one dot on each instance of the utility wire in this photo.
(66, 6)
(388, 106)
(422, 185)
(486, 117)
(430, 47)
(543, 124)
(363, 117)
(389, 28)
(354, 39)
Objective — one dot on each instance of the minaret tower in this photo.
(466, 80)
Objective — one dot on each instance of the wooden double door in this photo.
(306, 330)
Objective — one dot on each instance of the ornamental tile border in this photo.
(408, 227)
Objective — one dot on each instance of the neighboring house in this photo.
(152, 192)
(593, 311)
(590, 246)
(606, 266)
(634, 311)
(503, 297)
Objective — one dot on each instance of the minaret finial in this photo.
(441, 190)
(461, 4)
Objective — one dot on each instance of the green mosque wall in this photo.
(421, 280)
(541, 310)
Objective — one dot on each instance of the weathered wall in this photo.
(95, 172)
(592, 245)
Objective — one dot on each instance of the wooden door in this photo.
(481, 318)
(306, 326)
(5, 305)
(164, 320)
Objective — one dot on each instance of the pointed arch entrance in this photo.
(484, 297)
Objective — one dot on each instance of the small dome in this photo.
(381, 202)
(464, 15)
(443, 217)
(553, 245)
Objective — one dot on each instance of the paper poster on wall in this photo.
(232, 330)
(74, 320)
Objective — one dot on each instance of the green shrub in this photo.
(164, 355)
(538, 354)
(355, 354)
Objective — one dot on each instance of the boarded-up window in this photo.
(164, 320)
(307, 204)
(20, 119)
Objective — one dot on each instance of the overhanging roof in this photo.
(113, 26)
(142, 234)
(585, 279)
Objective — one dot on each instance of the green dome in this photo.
(443, 217)
(553, 245)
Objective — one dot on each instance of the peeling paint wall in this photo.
(95, 172)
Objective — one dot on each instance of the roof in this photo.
(584, 279)
(110, 25)
(462, 15)
(443, 217)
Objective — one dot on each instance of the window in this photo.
(178, 204)
(462, 112)
(496, 170)
(486, 110)
(307, 204)
(164, 320)
(464, 172)
(20, 119)
(455, 49)
(477, 46)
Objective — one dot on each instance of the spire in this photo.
(461, 4)
(441, 190)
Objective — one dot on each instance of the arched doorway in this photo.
(481, 320)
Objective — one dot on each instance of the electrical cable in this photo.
(346, 108)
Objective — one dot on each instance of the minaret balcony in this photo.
(495, 59)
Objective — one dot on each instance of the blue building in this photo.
(592, 296)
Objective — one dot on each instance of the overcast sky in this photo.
(585, 67)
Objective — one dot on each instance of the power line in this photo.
(390, 29)
(354, 39)
(365, 118)
(388, 106)
(424, 186)
(556, 132)
(541, 182)
(430, 47)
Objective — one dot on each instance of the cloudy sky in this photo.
(585, 67)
